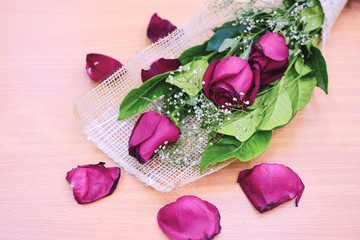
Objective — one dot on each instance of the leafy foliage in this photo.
(228, 147)
(135, 100)
(246, 133)
(317, 63)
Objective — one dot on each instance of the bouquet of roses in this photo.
(211, 91)
(252, 76)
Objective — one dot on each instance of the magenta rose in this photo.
(160, 66)
(231, 82)
(151, 130)
(270, 56)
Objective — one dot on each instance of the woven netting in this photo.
(98, 110)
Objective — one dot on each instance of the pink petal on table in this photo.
(159, 28)
(269, 185)
(189, 218)
(93, 181)
(99, 66)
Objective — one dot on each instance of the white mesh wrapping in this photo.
(98, 110)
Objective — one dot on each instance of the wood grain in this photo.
(43, 46)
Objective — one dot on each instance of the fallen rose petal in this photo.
(92, 182)
(159, 28)
(189, 218)
(99, 66)
(160, 66)
(269, 185)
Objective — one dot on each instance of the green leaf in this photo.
(278, 109)
(196, 51)
(314, 18)
(228, 147)
(151, 89)
(187, 79)
(299, 89)
(301, 67)
(227, 43)
(218, 38)
(318, 64)
(242, 124)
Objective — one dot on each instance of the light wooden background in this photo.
(43, 45)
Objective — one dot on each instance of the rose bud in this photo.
(270, 55)
(160, 66)
(189, 218)
(150, 131)
(159, 28)
(99, 66)
(92, 182)
(231, 83)
(269, 185)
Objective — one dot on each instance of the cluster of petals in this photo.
(231, 82)
(150, 132)
(269, 55)
(99, 66)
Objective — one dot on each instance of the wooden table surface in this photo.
(43, 45)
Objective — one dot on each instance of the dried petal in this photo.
(92, 182)
(189, 218)
(159, 28)
(99, 66)
(269, 185)
(160, 66)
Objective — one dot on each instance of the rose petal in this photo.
(159, 28)
(208, 76)
(93, 182)
(160, 66)
(251, 95)
(274, 46)
(99, 66)
(242, 82)
(223, 93)
(189, 218)
(269, 185)
(229, 67)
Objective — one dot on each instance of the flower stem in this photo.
(157, 106)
